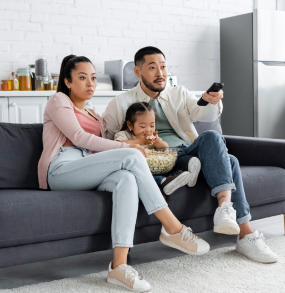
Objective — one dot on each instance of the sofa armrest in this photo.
(253, 151)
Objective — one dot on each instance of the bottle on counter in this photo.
(24, 78)
(55, 78)
(13, 84)
(33, 76)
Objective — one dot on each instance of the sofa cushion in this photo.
(262, 186)
(30, 216)
(20, 150)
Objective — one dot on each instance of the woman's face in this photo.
(83, 81)
(144, 124)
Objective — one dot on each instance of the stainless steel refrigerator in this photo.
(252, 48)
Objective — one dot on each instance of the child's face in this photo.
(144, 124)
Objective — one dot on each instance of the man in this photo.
(176, 110)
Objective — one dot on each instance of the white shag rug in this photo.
(220, 271)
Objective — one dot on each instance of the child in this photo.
(139, 128)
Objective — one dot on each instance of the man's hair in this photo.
(139, 56)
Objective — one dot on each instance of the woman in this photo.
(77, 156)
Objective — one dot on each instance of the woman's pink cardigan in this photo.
(60, 123)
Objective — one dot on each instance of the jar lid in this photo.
(23, 71)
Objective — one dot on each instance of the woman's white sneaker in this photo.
(127, 277)
(254, 247)
(225, 220)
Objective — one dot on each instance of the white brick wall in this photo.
(186, 30)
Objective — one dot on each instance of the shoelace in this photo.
(188, 234)
(259, 236)
(226, 210)
(131, 273)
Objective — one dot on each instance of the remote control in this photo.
(215, 87)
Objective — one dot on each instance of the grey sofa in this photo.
(39, 225)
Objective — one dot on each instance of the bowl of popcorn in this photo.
(161, 161)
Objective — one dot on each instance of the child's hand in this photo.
(150, 139)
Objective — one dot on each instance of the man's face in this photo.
(152, 73)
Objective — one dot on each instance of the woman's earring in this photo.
(69, 91)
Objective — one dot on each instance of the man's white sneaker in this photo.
(253, 246)
(225, 220)
(194, 167)
(127, 277)
(175, 181)
(185, 241)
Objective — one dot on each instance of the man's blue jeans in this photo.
(221, 170)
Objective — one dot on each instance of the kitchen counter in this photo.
(50, 93)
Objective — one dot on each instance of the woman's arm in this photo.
(60, 111)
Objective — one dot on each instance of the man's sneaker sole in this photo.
(255, 259)
(171, 244)
(194, 167)
(120, 284)
(178, 182)
(227, 229)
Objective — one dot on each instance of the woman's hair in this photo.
(68, 64)
(134, 110)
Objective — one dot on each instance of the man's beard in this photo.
(151, 87)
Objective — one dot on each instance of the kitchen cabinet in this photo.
(27, 109)
(4, 115)
(29, 106)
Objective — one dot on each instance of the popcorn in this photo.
(160, 161)
(151, 137)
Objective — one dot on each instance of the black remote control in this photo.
(215, 87)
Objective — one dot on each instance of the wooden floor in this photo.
(95, 262)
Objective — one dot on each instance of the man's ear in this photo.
(137, 71)
(67, 83)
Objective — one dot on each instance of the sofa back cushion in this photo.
(203, 126)
(20, 150)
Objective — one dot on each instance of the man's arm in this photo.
(113, 119)
(204, 113)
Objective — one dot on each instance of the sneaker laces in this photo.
(226, 209)
(261, 237)
(187, 234)
(130, 273)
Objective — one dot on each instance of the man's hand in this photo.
(213, 97)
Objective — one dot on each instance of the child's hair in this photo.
(68, 64)
(134, 110)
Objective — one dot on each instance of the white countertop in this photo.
(50, 93)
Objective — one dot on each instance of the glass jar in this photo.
(4, 85)
(24, 78)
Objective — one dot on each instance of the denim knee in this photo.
(212, 135)
(134, 156)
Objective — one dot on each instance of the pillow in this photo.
(20, 150)
(203, 126)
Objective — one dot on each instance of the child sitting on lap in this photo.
(139, 128)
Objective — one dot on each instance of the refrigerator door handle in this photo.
(273, 63)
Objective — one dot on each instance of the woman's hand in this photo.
(138, 147)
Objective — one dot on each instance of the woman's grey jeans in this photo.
(124, 172)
